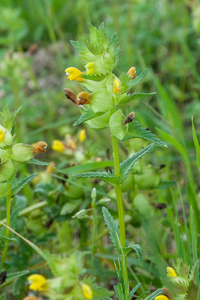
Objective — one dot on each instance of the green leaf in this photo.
(119, 291)
(134, 290)
(86, 167)
(114, 49)
(113, 229)
(13, 276)
(106, 176)
(22, 183)
(133, 97)
(166, 184)
(37, 162)
(137, 80)
(7, 239)
(116, 125)
(127, 164)
(69, 207)
(137, 249)
(135, 130)
(127, 83)
(154, 294)
(196, 143)
(90, 114)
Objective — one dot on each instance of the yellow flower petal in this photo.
(38, 283)
(131, 72)
(74, 74)
(116, 86)
(1, 135)
(161, 297)
(87, 291)
(57, 146)
(83, 98)
(171, 272)
(89, 68)
(82, 135)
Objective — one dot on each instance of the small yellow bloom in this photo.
(116, 86)
(70, 142)
(131, 72)
(161, 297)
(87, 291)
(57, 146)
(74, 74)
(50, 168)
(171, 272)
(83, 98)
(1, 135)
(89, 68)
(82, 135)
(38, 283)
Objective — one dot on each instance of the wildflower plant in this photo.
(100, 101)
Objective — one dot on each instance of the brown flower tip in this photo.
(129, 118)
(71, 95)
(83, 98)
(131, 72)
(167, 293)
(39, 147)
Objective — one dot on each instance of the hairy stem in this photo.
(94, 236)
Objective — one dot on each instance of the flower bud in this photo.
(89, 68)
(131, 72)
(87, 291)
(22, 152)
(116, 86)
(94, 193)
(7, 170)
(39, 147)
(83, 98)
(82, 214)
(82, 135)
(5, 137)
(57, 146)
(74, 74)
(103, 201)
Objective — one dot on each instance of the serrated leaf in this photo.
(119, 291)
(113, 229)
(137, 80)
(127, 83)
(89, 115)
(134, 290)
(135, 130)
(13, 276)
(133, 97)
(137, 248)
(22, 183)
(86, 167)
(106, 176)
(127, 164)
(34, 161)
(7, 239)
(154, 294)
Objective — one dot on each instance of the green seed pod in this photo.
(3, 154)
(144, 208)
(7, 170)
(22, 152)
(148, 179)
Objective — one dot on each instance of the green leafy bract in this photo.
(113, 229)
(133, 97)
(127, 164)
(127, 84)
(22, 183)
(137, 249)
(89, 114)
(134, 290)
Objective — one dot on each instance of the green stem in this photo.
(8, 200)
(94, 248)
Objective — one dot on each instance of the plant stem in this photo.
(94, 248)
(8, 200)
(120, 213)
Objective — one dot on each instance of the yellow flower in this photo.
(70, 142)
(50, 168)
(57, 146)
(38, 283)
(83, 98)
(171, 272)
(89, 68)
(87, 291)
(131, 72)
(161, 297)
(82, 135)
(116, 86)
(74, 74)
(1, 135)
